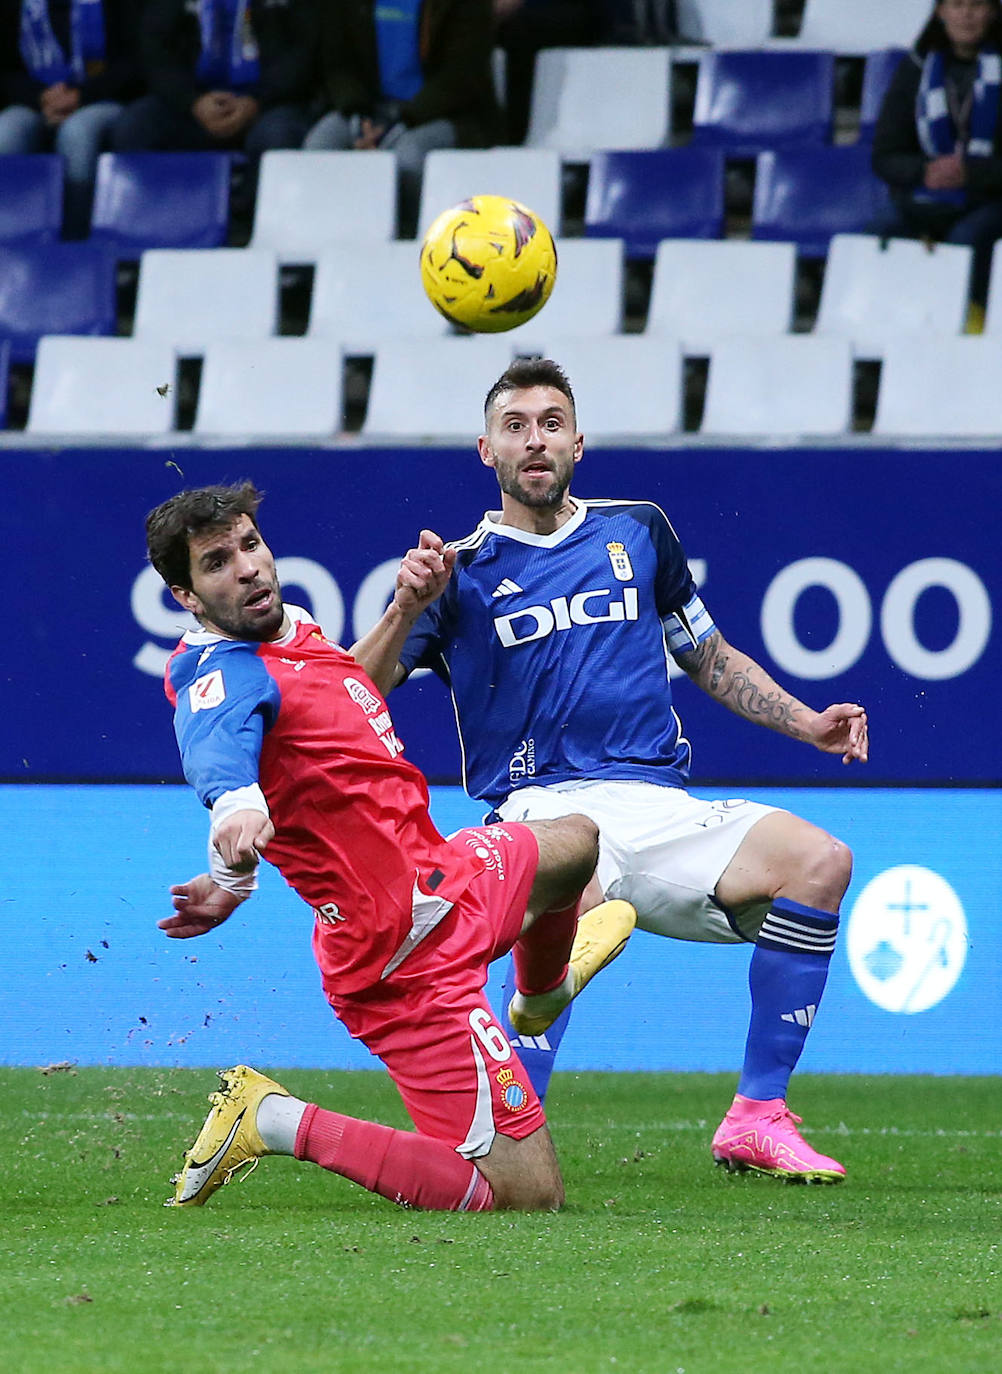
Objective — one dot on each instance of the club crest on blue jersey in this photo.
(514, 1094)
(622, 568)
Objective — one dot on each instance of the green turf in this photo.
(659, 1262)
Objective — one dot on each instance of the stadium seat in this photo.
(874, 291)
(54, 288)
(4, 379)
(942, 387)
(585, 99)
(190, 297)
(643, 197)
(307, 201)
(161, 200)
(805, 195)
(703, 289)
(878, 68)
(587, 297)
(119, 388)
(626, 387)
(31, 197)
(850, 27)
(782, 386)
(748, 102)
(528, 175)
(435, 392)
(724, 24)
(361, 308)
(286, 388)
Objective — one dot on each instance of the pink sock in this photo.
(541, 953)
(412, 1170)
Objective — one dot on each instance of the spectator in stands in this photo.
(938, 140)
(67, 66)
(222, 74)
(409, 77)
(526, 26)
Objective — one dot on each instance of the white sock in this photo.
(277, 1122)
(542, 1003)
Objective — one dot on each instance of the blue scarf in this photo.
(229, 49)
(936, 130)
(43, 55)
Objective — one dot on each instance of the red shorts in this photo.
(430, 1022)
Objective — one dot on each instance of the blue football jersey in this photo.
(555, 648)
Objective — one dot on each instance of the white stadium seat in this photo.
(362, 305)
(782, 386)
(704, 289)
(121, 388)
(849, 27)
(288, 388)
(725, 23)
(627, 387)
(528, 175)
(307, 201)
(587, 296)
(587, 99)
(874, 291)
(435, 391)
(189, 297)
(940, 387)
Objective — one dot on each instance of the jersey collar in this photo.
(493, 524)
(202, 637)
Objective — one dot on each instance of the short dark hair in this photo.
(526, 372)
(933, 36)
(170, 526)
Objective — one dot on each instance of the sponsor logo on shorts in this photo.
(514, 1094)
(484, 845)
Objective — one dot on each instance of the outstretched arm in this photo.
(740, 684)
(421, 578)
(205, 902)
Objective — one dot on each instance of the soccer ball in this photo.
(488, 264)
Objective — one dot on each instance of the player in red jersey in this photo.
(288, 741)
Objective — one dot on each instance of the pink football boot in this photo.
(763, 1136)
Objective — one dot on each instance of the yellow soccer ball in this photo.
(488, 264)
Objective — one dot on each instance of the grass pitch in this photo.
(660, 1263)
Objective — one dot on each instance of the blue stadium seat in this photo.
(645, 196)
(805, 195)
(31, 196)
(878, 68)
(54, 288)
(161, 200)
(747, 102)
(4, 379)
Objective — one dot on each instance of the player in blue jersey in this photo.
(554, 635)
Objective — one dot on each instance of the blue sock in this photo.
(787, 977)
(537, 1052)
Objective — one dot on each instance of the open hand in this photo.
(842, 729)
(200, 906)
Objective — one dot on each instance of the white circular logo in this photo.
(907, 941)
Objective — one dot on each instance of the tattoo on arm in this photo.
(731, 678)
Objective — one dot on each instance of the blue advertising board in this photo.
(915, 983)
(851, 575)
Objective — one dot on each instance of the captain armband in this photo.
(687, 627)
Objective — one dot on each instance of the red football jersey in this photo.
(353, 835)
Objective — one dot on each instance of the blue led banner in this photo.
(915, 983)
(861, 575)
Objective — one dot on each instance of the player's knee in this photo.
(581, 848)
(825, 868)
(530, 1194)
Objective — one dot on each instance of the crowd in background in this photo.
(82, 76)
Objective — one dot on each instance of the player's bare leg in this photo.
(558, 955)
(802, 873)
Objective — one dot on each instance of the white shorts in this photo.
(660, 849)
